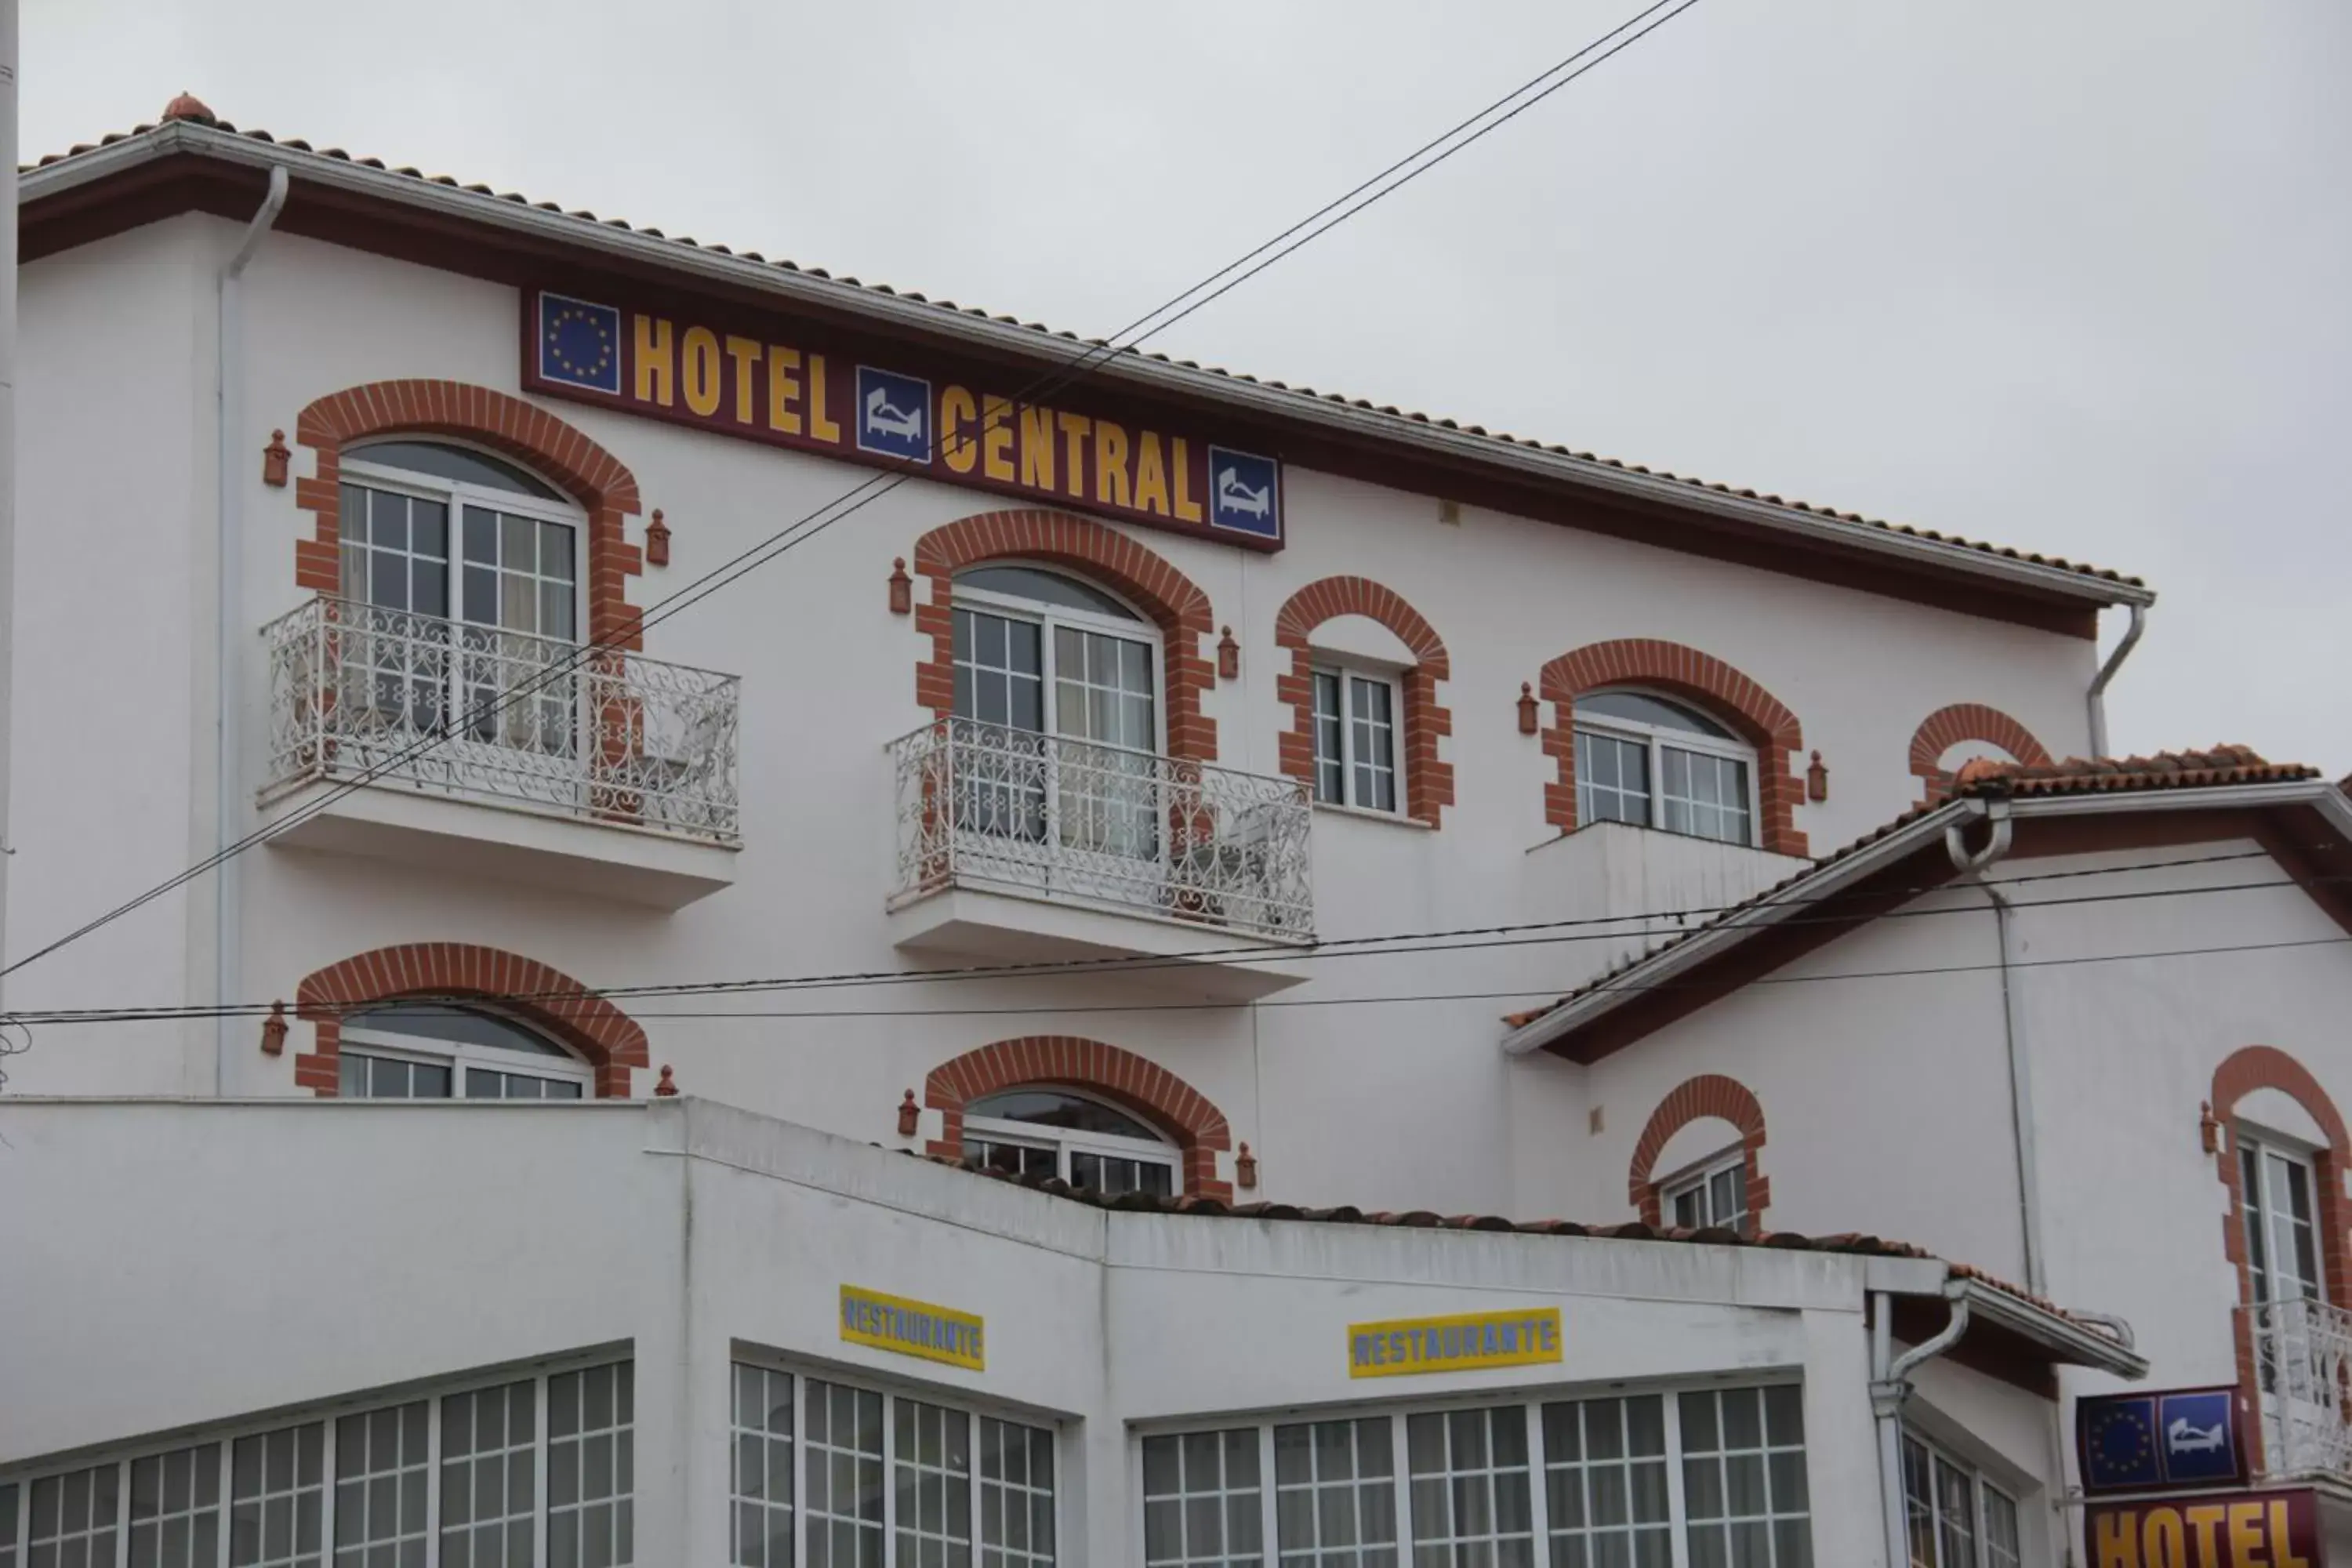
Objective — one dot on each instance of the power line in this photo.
(1379, 946)
(1643, 24)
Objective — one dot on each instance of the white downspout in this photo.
(229, 361)
(2097, 696)
(1974, 865)
(1889, 1387)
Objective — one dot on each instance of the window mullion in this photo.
(1400, 1467)
(434, 1406)
(122, 1513)
(890, 1480)
(327, 1488)
(539, 1442)
(1538, 1502)
(1677, 1519)
(1268, 1519)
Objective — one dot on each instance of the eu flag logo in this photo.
(579, 343)
(2120, 1445)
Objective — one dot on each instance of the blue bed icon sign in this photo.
(1244, 493)
(2198, 1431)
(579, 343)
(893, 414)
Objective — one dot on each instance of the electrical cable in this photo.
(787, 538)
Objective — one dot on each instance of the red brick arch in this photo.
(2241, 1073)
(559, 452)
(1760, 718)
(1948, 727)
(1173, 601)
(1142, 1085)
(1707, 1095)
(1428, 783)
(604, 1036)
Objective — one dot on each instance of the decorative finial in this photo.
(902, 588)
(188, 106)
(1245, 1168)
(657, 541)
(667, 1087)
(1527, 705)
(273, 460)
(1817, 780)
(273, 1030)
(909, 1114)
(1229, 657)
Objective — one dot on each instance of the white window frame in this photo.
(1142, 629)
(1982, 1489)
(1160, 1151)
(1532, 1402)
(224, 1437)
(1698, 1178)
(1657, 739)
(1348, 672)
(457, 495)
(357, 1039)
(892, 1389)
(2264, 1209)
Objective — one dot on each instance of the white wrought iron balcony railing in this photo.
(2302, 1361)
(1016, 811)
(473, 711)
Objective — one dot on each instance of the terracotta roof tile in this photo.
(2057, 562)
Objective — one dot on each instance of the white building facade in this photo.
(769, 715)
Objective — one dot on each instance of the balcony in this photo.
(500, 753)
(2303, 1352)
(1018, 847)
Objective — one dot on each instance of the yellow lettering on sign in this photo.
(996, 438)
(702, 370)
(1188, 506)
(2161, 1543)
(1110, 464)
(2117, 1546)
(1037, 447)
(653, 360)
(783, 389)
(1075, 427)
(2204, 1519)
(1151, 474)
(2246, 1535)
(957, 410)
(2282, 1539)
(745, 353)
(821, 423)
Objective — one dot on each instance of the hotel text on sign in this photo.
(775, 384)
(913, 1328)
(2217, 1530)
(1474, 1341)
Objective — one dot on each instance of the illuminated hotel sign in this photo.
(913, 1328)
(775, 385)
(2221, 1529)
(1473, 1342)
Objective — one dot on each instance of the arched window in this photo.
(461, 579)
(1045, 1132)
(1644, 760)
(440, 1050)
(1057, 711)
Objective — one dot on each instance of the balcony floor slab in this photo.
(986, 926)
(392, 821)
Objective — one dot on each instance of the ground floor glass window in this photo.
(1593, 1483)
(885, 1481)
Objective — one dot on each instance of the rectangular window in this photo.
(1703, 794)
(454, 1478)
(1953, 1517)
(1715, 1196)
(74, 1517)
(364, 1077)
(1355, 723)
(763, 1469)
(964, 1490)
(1613, 779)
(176, 1508)
(591, 1467)
(276, 1499)
(1606, 1482)
(2282, 1239)
(1744, 1477)
(1472, 1504)
(1202, 1503)
(2002, 1549)
(1334, 1495)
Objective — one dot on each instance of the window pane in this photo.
(932, 1473)
(1956, 1515)
(591, 1467)
(2001, 1545)
(841, 1463)
(1372, 744)
(1016, 1493)
(1471, 1492)
(461, 464)
(489, 1493)
(1334, 1493)
(1605, 1480)
(1201, 1499)
(1330, 758)
(1743, 1479)
(1052, 1108)
(1044, 587)
(1613, 779)
(1704, 795)
(1643, 709)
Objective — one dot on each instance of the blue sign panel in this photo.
(1244, 493)
(2150, 1442)
(580, 343)
(893, 414)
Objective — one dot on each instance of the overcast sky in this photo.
(2076, 277)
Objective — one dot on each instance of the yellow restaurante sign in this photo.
(1470, 1341)
(913, 1328)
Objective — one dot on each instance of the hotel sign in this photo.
(1472, 1341)
(2227, 1530)
(2160, 1442)
(772, 384)
(913, 1328)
